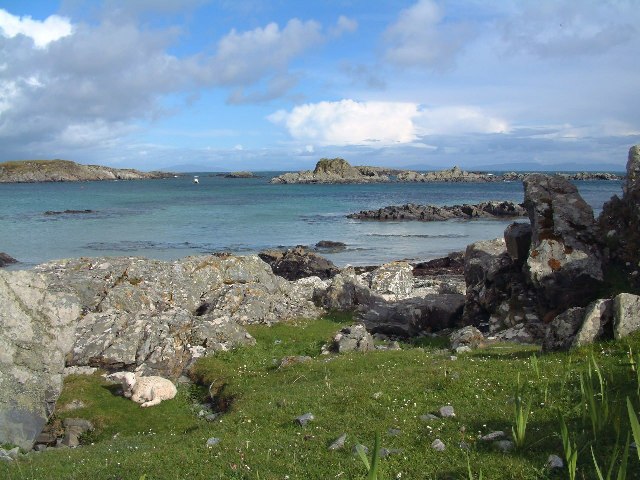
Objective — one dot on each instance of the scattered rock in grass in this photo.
(213, 441)
(429, 417)
(302, 420)
(438, 445)
(385, 452)
(554, 461)
(40, 447)
(74, 428)
(338, 443)
(447, 411)
(394, 432)
(463, 349)
(453, 358)
(11, 454)
(468, 336)
(72, 405)
(293, 360)
(464, 446)
(377, 395)
(211, 417)
(504, 445)
(354, 338)
(490, 437)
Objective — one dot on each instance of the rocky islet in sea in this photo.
(157, 317)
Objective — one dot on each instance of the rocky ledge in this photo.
(6, 259)
(30, 171)
(433, 213)
(334, 170)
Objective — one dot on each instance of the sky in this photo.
(228, 85)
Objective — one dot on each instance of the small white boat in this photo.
(195, 179)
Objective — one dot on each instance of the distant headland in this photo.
(338, 170)
(31, 171)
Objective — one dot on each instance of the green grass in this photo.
(359, 394)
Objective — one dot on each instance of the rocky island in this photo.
(433, 213)
(338, 170)
(29, 171)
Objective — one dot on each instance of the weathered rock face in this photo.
(619, 221)
(517, 237)
(333, 170)
(297, 263)
(455, 174)
(156, 317)
(344, 293)
(564, 262)
(395, 278)
(36, 330)
(626, 314)
(353, 339)
(6, 260)
(466, 337)
(433, 213)
(562, 330)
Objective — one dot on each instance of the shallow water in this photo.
(173, 218)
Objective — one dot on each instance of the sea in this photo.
(172, 218)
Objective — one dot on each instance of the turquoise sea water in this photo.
(173, 218)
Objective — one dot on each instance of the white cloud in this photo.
(420, 37)
(348, 122)
(42, 33)
(344, 25)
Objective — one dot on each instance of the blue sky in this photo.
(233, 84)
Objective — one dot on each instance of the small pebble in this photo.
(490, 437)
(385, 452)
(437, 445)
(213, 441)
(447, 411)
(554, 461)
(302, 420)
(394, 432)
(338, 442)
(377, 395)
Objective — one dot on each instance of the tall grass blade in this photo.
(570, 450)
(375, 459)
(635, 426)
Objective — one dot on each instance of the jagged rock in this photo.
(330, 246)
(6, 260)
(597, 318)
(338, 443)
(411, 316)
(452, 264)
(517, 237)
(455, 174)
(395, 278)
(619, 221)
(297, 263)
(467, 336)
(36, 330)
(562, 330)
(626, 314)
(354, 338)
(334, 170)
(564, 262)
(344, 293)
(434, 213)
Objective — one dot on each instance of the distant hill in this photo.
(531, 167)
(28, 171)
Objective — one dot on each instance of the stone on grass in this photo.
(490, 437)
(394, 432)
(429, 417)
(554, 461)
(504, 445)
(438, 445)
(354, 338)
(385, 452)
(338, 443)
(468, 336)
(626, 314)
(447, 411)
(213, 441)
(302, 420)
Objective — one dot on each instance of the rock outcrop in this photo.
(6, 260)
(334, 170)
(36, 331)
(619, 221)
(297, 263)
(454, 174)
(564, 263)
(433, 213)
(29, 171)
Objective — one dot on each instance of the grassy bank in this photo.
(383, 392)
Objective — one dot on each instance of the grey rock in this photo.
(338, 443)
(354, 338)
(429, 417)
(303, 420)
(36, 331)
(386, 452)
(554, 461)
(297, 263)
(447, 411)
(344, 293)
(80, 423)
(354, 450)
(213, 441)
(563, 329)
(493, 436)
(564, 263)
(517, 237)
(434, 213)
(6, 259)
(626, 312)
(395, 278)
(468, 336)
(462, 349)
(504, 445)
(597, 317)
(394, 432)
(438, 445)
(334, 170)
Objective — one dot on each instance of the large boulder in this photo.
(6, 260)
(344, 293)
(297, 263)
(619, 221)
(395, 278)
(626, 314)
(562, 329)
(354, 338)
(36, 331)
(564, 263)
